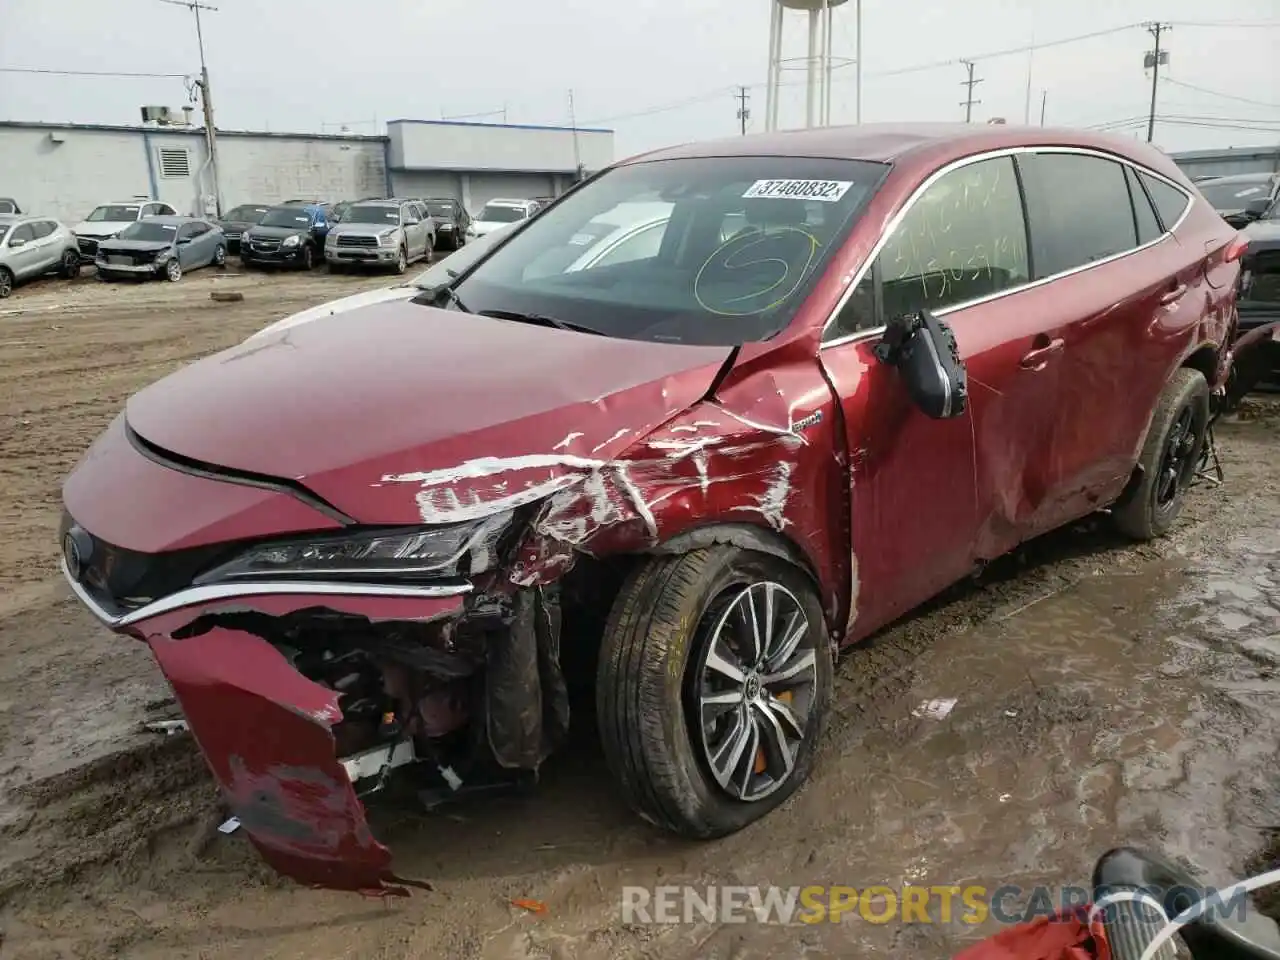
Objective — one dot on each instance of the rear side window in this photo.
(964, 238)
(1170, 202)
(1143, 213)
(1079, 210)
(41, 229)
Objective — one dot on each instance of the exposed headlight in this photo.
(387, 239)
(292, 241)
(163, 256)
(458, 549)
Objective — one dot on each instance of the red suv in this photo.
(841, 371)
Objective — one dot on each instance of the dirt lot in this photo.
(1105, 693)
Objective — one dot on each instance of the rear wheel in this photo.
(69, 265)
(1169, 458)
(429, 250)
(713, 684)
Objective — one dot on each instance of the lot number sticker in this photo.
(828, 191)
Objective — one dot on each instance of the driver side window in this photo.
(964, 238)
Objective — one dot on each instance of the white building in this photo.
(67, 169)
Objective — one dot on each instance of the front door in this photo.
(931, 498)
(24, 253)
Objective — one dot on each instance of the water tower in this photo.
(818, 65)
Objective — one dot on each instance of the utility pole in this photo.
(1044, 102)
(968, 103)
(744, 112)
(206, 100)
(1152, 61)
(577, 156)
(857, 63)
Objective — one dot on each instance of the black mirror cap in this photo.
(924, 350)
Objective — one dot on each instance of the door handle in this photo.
(1037, 358)
(1174, 295)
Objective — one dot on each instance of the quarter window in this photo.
(23, 232)
(1170, 202)
(41, 229)
(1079, 209)
(1143, 213)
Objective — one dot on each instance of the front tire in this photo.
(69, 266)
(173, 270)
(6, 282)
(308, 258)
(402, 261)
(706, 730)
(220, 256)
(1169, 458)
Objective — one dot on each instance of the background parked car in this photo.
(9, 205)
(1259, 301)
(383, 233)
(161, 247)
(31, 246)
(291, 234)
(452, 221)
(109, 219)
(499, 211)
(239, 219)
(1242, 197)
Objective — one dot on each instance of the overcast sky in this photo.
(314, 65)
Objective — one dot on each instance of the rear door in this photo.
(1114, 278)
(930, 498)
(46, 245)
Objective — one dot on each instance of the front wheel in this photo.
(220, 256)
(714, 681)
(69, 265)
(173, 270)
(308, 258)
(1169, 458)
(6, 282)
(402, 261)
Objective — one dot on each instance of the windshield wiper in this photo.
(538, 318)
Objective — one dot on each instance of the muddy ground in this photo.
(1105, 693)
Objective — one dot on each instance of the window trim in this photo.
(896, 220)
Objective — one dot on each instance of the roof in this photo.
(885, 142)
(166, 220)
(1246, 177)
(502, 126)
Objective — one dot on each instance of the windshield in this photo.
(443, 271)
(441, 209)
(501, 214)
(246, 214)
(717, 250)
(149, 231)
(372, 214)
(111, 213)
(1234, 196)
(286, 217)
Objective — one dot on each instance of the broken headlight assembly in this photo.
(456, 550)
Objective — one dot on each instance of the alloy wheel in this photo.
(173, 270)
(753, 689)
(220, 256)
(6, 283)
(1175, 463)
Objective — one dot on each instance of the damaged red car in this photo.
(827, 374)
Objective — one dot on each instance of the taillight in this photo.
(1236, 248)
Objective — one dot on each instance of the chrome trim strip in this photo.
(896, 220)
(224, 591)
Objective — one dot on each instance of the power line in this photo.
(744, 112)
(1218, 93)
(1226, 23)
(96, 73)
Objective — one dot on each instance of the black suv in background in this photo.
(239, 219)
(451, 221)
(291, 234)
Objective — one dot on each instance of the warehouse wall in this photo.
(477, 147)
(67, 171)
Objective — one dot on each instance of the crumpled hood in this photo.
(366, 298)
(345, 404)
(135, 246)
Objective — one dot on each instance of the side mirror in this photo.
(924, 351)
(183, 241)
(18, 242)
